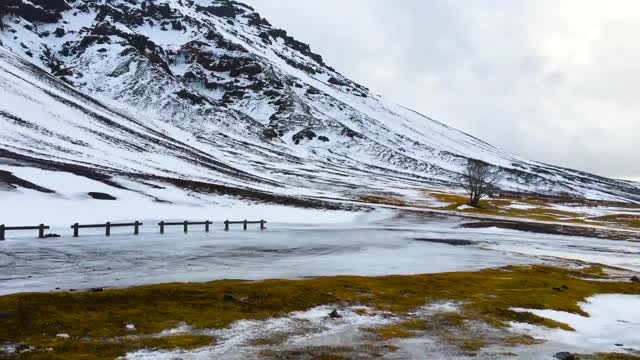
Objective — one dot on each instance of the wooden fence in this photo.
(184, 224)
(244, 223)
(41, 228)
(136, 227)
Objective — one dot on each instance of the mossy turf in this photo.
(631, 221)
(540, 210)
(608, 356)
(96, 321)
(382, 199)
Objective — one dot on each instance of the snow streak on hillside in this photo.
(176, 100)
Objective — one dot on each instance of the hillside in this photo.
(187, 101)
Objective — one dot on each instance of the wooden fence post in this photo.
(245, 225)
(161, 227)
(186, 226)
(136, 228)
(75, 229)
(206, 225)
(41, 231)
(108, 229)
(226, 225)
(2, 232)
(262, 224)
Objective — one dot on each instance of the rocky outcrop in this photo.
(46, 11)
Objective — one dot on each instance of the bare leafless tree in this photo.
(478, 179)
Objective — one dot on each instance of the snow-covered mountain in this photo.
(208, 98)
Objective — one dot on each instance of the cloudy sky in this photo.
(552, 80)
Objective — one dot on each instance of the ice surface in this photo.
(283, 251)
(371, 245)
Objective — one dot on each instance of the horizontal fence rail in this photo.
(244, 224)
(136, 227)
(185, 225)
(41, 228)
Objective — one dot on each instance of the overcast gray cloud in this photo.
(555, 81)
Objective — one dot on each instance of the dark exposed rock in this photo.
(59, 32)
(228, 297)
(306, 133)
(335, 81)
(454, 242)
(187, 95)
(256, 20)
(91, 39)
(47, 11)
(270, 133)
(249, 70)
(635, 279)
(237, 65)
(564, 356)
(223, 43)
(51, 236)
(300, 66)
(141, 43)
(128, 16)
(265, 38)
(323, 138)
(335, 315)
(350, 133)
(259, 85)
(296, 45)
(271, 93)
(8, 178)
(177, 25)
(313, 91)
(164, 10)
(101, 196)
(233, 94)
(97, 289)
(224, 10)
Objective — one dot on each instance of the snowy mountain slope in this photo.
(207, 92)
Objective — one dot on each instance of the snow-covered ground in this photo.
(372, 244)
(613, 326)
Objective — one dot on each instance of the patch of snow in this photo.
(299, 329)
(521, 206)
(439, 307)
(613, 325)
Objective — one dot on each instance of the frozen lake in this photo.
(380, 245)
